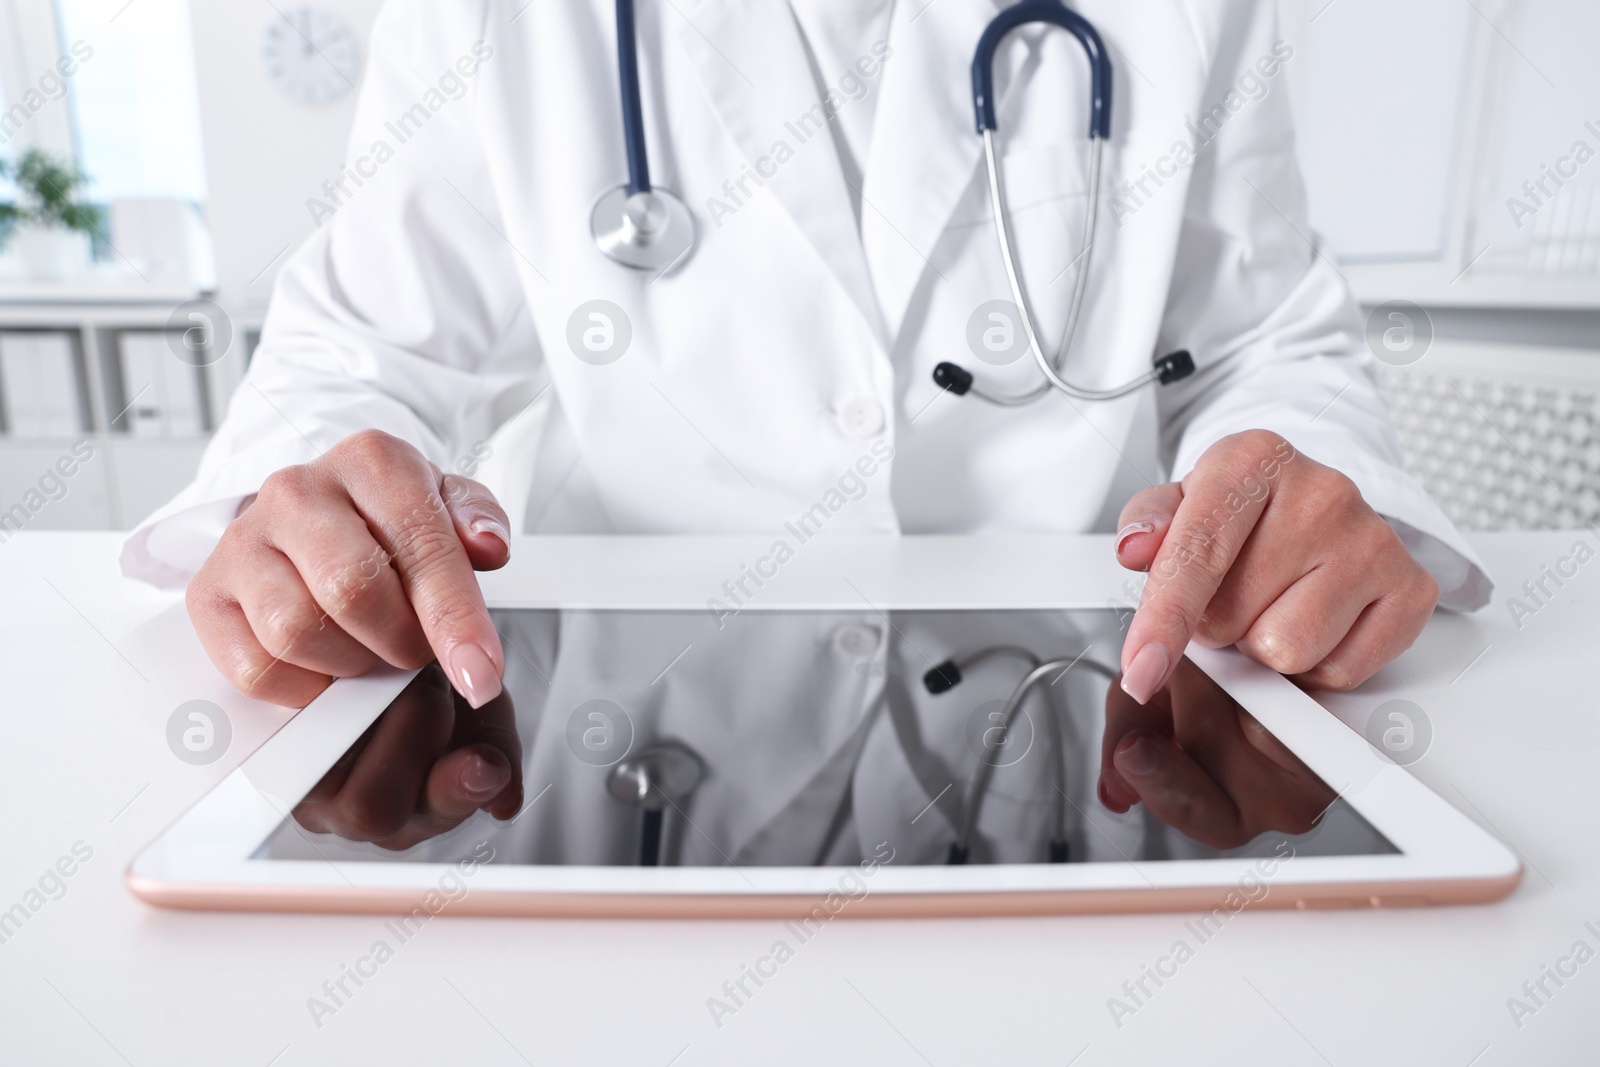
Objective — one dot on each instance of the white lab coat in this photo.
(791, 344)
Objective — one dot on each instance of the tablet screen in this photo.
(728, 738)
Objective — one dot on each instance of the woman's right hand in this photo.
(365, 554)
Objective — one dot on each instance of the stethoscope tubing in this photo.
(1050, 369)
(643, 228)
(953, 378)
(979, 786)
(632, 108)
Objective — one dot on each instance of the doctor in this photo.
(781, 373)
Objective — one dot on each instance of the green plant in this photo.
(47, 195)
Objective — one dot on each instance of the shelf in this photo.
(135, 315)
(131, 290)
(122, 482)
(128, 477)
(118, 439)
(1427, 285)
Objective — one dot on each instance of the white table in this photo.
(96, 977)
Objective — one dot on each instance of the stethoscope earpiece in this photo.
(942, 678)
(952, 378)
(1174, 367)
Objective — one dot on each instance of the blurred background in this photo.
(158, 156)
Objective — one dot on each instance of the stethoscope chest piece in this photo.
(651, 779)
(656, 776)
(648, 230)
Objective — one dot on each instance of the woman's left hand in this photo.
(1264, 548)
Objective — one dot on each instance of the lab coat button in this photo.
(856, 639)
(861, 417)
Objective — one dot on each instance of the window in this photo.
(135, 107)
(33, 108)
(109, 86)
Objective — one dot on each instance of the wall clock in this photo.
(312, 56)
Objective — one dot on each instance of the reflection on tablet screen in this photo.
(808, 738)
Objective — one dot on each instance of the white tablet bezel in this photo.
(203, 859)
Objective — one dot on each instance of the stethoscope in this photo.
(664, 775)
(639, 225)
(947, 675)
(654, 779)
(648, 227)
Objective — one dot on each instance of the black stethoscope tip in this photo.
(951, 378)
(942, 677)
(1175, 367)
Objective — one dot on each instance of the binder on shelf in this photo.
(161, 392)
(39, 381)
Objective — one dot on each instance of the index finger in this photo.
(1123, 717)
(494, 727)
(1222, 502)
(409, 518)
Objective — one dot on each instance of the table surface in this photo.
(95, 976)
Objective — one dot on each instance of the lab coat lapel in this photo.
(751, 59)
(925, 147)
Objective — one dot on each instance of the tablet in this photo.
(876, 731)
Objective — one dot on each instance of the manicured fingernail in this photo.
(1120, 795)
(1146, 672)
(474, 674)
(1138, 758)
(1132, 529)
(493, 527)
(480, 776)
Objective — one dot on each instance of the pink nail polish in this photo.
(480, 776)
(1146, 672)
(1132, 529)
(1138, 758)
(493, 527)
(474, 674)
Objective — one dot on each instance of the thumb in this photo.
(480, 522)
(462, 782)
(1144, 522)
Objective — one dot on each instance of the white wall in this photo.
(1417, 121)
(265, 154)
